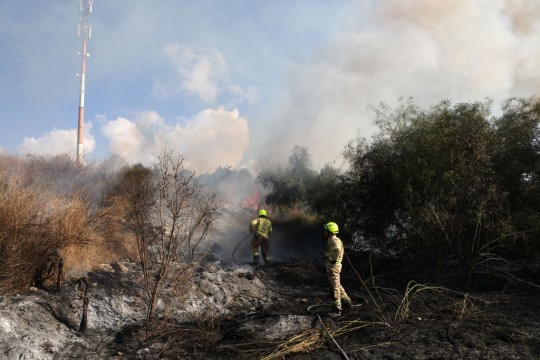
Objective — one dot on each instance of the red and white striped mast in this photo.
(84, 31)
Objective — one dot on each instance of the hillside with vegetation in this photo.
(439, 213)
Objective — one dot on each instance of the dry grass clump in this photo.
(201, 331)
(34, 225)
(93, 236)
(207, 332)
(295, 214)
(23, 246)
(304, 342)
(419, 301)
(309, 340)
(48, 205)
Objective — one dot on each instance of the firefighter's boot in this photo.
(347, 304)
(337, 308)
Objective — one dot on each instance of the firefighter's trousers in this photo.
(261, 241)
(337, 290)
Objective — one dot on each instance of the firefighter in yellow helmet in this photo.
(260, 227)
(333, 256)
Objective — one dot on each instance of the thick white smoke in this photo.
(57, 142)
(211, 138)
(460, 50)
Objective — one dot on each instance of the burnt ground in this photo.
(401, 313)
(494, 322)
(281, 311)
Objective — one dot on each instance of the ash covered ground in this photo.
(230, 309)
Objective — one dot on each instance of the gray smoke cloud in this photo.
(429, 50)
(371, 52)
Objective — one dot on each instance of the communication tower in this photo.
(84, 32)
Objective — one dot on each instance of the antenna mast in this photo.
(84, 31)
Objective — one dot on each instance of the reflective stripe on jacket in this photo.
(333, 253)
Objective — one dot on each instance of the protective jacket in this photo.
(333, 253)
(261, 226)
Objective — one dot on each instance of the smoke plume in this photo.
(428, 50)
(211, 138)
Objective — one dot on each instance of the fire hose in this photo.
(272, 288)
(309, 309)
(237, 246)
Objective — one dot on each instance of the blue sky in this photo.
(241, 82)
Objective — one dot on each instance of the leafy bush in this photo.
(447, 184)
(429, 186)
(289, 186)
(517, 164)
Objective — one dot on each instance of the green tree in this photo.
(289, 186)
(324, 192)
(517, 164)
(426, 187)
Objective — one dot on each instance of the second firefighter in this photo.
(333, 255)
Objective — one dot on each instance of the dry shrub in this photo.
(201, 331)
(207, 332)
(35, 223)
(48, 203)
(116, 237)
(83, 257)
(171, 214)
(95, 237)
(294, 214)
(181, 281)
(23, 246)
(75, 229)
(70, 221)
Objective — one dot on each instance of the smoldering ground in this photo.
(238, 312)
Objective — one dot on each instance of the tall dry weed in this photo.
(49, 204)
(23, 248)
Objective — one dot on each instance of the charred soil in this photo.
(282, 311)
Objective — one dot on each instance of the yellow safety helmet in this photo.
(262, 212)
(332, 227)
